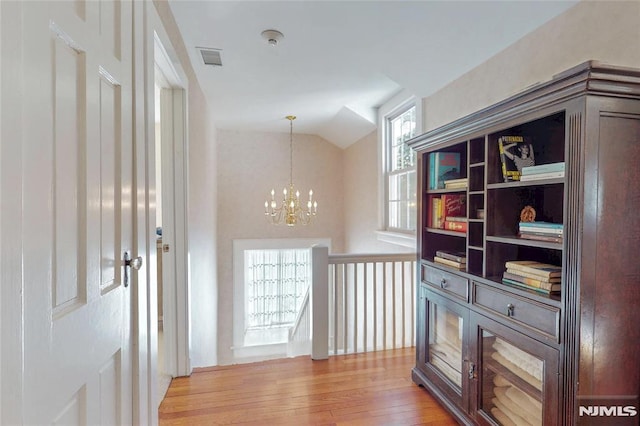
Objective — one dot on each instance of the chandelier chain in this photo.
(291, 118)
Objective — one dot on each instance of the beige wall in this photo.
(361, 195)
(607, 31)
(201, 205)
(249, 166)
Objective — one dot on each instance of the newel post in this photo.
(320, 303)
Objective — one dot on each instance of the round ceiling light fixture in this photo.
(273, 37)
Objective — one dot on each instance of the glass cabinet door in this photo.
(518, 379)
(512, 382)
(445, 342)
(444, 347)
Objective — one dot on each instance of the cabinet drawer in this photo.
(530, 314)
(449, 283)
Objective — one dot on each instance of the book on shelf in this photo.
(533, 276)
(456, 218)
(545, 285)
(540, 176)
(435, 214)
(516, 152)
(451, 263)
(542, 224)
(554, 290)
(446, 205)
(456, 256)
(454, 205)
(541, 228)
(543, 168)
(544, 270)
(537, 236)
(456, 183)
(543, 231)
(455, 226)
(443, 166)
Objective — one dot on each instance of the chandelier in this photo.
(290, 211)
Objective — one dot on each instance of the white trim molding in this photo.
(397, 238)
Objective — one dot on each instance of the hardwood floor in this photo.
(363, 389)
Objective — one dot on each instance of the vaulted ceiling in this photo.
(340, 60)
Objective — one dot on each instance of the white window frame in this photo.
(391, 109)
(239, 246)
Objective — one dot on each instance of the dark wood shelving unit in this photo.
(588, 118)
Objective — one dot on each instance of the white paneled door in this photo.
(77, 211)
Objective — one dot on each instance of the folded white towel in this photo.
(533, 381)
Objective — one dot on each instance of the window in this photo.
(400, 171)
(271, 278)
(276, 282)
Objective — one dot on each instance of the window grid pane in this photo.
(276, 282)
(394, 221)
(402, 129)
(401, 181)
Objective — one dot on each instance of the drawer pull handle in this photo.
(510, 308)
(443, 283)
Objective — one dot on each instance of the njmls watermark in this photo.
(608, 410)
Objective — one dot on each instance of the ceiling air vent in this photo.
(210, 56)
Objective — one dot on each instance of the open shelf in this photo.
(524, 242)
(517, 184)
(447, 191)
(447, 232)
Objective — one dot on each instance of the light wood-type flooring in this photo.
(363, 389)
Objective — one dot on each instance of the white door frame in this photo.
(147, 28)
(144, 395)
(174, 232)
(175, 169)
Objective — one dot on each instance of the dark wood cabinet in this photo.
(482, 341)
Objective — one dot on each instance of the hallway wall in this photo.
(607, 31)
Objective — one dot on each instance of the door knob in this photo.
(510, 309)
(135, 263)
